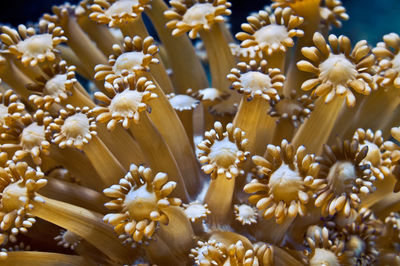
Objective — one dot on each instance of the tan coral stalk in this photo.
(20, 184)
(142, 203)
(184, 106)
(11, 75)
(36, 258)
(127, 106)
(222, 154)
(78, 164)
(259, 86)
(72, 59)
(338, 71)
(73, 128)
(195, 77)
(74, 194)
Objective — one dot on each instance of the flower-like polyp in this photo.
(322, 248)
(292, 108)
(337, 68)
(54, 86)
(257, 80)
(117, 12)
(245, 214)
(271, 33)
(222, 153)
(332, 12)
(387, 53)
(31, 47)
(139, 201)
(19, 182)
(127, 98)
(281, 190)
(135, 56)
(27, 133)
(380, 166)
(342, 177)
(195, 15)
(73, 128)
(360, 236)
(68, 239)
(10, 108)
(227, 248)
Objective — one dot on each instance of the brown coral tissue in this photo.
(274, 145)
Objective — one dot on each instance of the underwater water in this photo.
(369, 19)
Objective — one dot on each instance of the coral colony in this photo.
(118, 148)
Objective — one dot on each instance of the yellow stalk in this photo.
(134, 28)
(391, 203)
(68, 55)
(186, 118)
(374, 114)
(178, 233)
(105, 163)
(309, 10)
(195, 76)
(315, 131)
(283, 130)
(84, 49)
(219, 56)
(271, 232)
(36, 258)
(174, 134)
(283, 258)
(17, 80)
(100, 34)
(344, 126)
(74, 194)
(383, 188)
(253, 119)
(219, 199)
(157, 153)
(277, 60)
(160, 253)
(78, 164)
(87, 224)
(29, 71)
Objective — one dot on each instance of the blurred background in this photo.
(369, 19)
